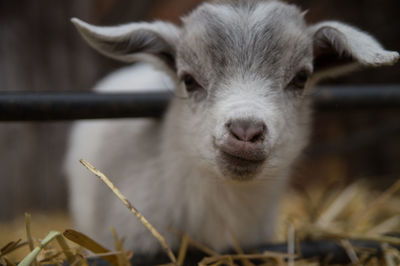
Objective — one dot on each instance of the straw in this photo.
(138, 215)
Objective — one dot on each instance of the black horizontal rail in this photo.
(333, 98)
(45, 106)
(330, 250)
(51, 106)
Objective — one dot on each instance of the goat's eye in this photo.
(299, 82)
(190, 83)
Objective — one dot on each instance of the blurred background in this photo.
(40, 50)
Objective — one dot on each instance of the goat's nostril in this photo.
(247, 130)
(255, 135)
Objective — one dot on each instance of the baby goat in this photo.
(216, 165)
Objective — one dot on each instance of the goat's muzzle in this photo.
(243, 150)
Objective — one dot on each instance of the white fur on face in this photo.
(256, 99)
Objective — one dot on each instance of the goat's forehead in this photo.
(251, 31)
(232, 16)
(253, 11)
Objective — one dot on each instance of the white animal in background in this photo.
(217, 163)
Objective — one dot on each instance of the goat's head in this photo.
(245, 68)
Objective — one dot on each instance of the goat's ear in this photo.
(339, 48)
(152, 42)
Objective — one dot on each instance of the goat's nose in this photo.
(247, 130)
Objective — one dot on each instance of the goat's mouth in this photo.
(239, 162)
(238, 168)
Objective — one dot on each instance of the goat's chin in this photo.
(238, 169)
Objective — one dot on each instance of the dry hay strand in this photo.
(138, 215)
(199, 246)
(91, 245)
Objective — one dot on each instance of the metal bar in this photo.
(332, 98)
(51, 106)
(47, 106)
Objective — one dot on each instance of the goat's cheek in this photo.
(197, 103)
(288, 130)
(199, 95)
(201, 131)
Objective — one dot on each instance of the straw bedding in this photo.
(323, 224)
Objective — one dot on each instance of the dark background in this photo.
(40, 50)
